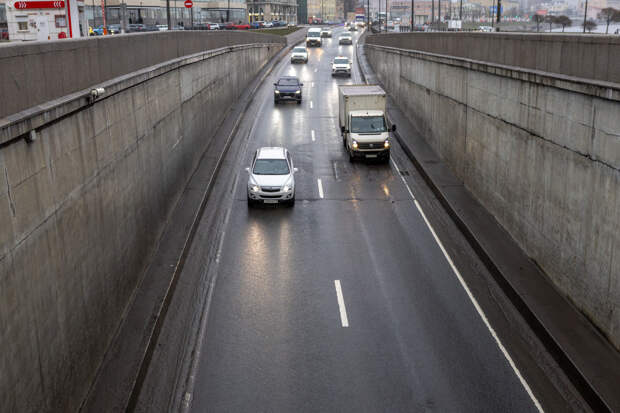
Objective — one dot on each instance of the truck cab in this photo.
(363, 124)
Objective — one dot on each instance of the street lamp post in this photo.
(585, 16)
(412, 15)
(228, 12)
(168, 19)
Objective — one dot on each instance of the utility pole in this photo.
(439, 12)
(499, 11)
(493, 14)
(228, 12)
(432, 13)
(412, 14)
(168, 15)
(386, 15)
(585, 16)
(379, 16)
(461, 11)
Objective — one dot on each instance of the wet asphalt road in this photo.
(275, 340)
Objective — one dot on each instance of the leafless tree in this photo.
(563, 21)
(589, 25)
(537, 18)
(549, 19)
(608, 15)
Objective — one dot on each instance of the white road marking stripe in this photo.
(343, 310)
(312, 133)
(471, 296)
(316, 70)
(312, 84)
(318, 181)
(311, 105)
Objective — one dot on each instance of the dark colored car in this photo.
(4, 34)
(287, 88)
(135, 27)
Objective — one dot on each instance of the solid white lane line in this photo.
(320, 184)
(471, 296)
(312, 133)
(316, 69)
(343, 310)
(311, 105)
(312, 84)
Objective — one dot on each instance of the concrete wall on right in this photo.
(541, 152)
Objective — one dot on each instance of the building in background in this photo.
(45, 20)
(270, 10)
(153, 12)
(325, 10)
(302, 11)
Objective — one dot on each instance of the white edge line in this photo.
(310, 104)
(320, 184)
(471, 296)
(312, 132)
(343, 310)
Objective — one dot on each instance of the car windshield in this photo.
(288, 82)
(341, 61)
(271, 167)
(299, 50)
(345, 35)
(314, 34)
(368, 124)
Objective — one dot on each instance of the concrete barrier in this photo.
(37, 72)
(586, 56)
(82, 207)
(541, 152)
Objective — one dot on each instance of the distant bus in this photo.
(360, 18)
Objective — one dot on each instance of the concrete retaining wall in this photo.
(587, 56)
(36, 72)
(540, 152)
(81, 209)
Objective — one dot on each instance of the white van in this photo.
(313, 37)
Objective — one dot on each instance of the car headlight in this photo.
(286, 188)
(254, 188)
(298, 91)
(277, 91)
(354, 145)
(386, 144)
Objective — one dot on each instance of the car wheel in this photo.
(291, 203)
(275, 101)
(299, 102)
(250, 202)
(351, 157)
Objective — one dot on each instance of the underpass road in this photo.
(344, 302)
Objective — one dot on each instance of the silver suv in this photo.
(271, 179)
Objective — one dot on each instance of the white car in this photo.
(162, 27)
(214, 26)
(268, 24)
(326, 33)
(341, 66)
(300, 54)
(345, 38)
(271, 179)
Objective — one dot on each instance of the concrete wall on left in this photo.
(35, 73)
(81, 209)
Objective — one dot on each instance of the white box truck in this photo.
(363, 123)
(313, 37)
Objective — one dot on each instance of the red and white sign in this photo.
(189, 4)
(59, 4)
